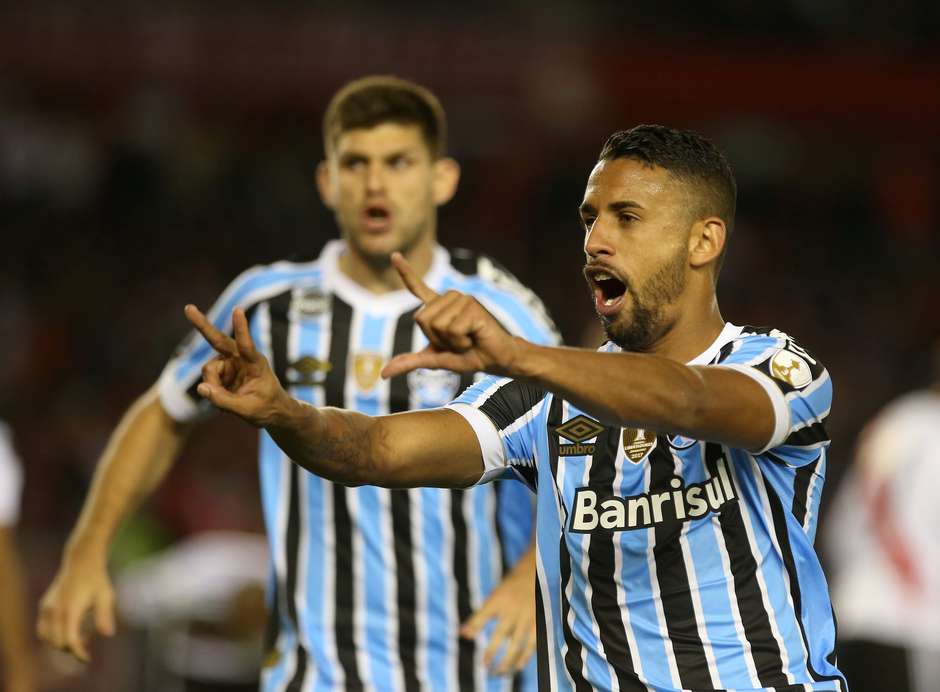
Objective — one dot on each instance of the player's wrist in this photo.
(288, 413)
(522, 359)
(86, 550)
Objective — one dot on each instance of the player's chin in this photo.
(378, 245)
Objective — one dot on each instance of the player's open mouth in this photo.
(377, 217)
(608, 290)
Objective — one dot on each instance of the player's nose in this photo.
(375, 178)
(599, 240)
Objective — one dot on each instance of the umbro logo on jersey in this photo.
(307, 371)
(577, 430)
(680, 503)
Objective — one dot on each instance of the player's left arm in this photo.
(702, 402)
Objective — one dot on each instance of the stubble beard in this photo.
(647, 320)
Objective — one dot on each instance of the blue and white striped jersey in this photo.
(369, 585)
(667, 563)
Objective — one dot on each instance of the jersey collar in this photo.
(392, 302)
(728, 333)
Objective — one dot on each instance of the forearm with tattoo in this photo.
(342, 446)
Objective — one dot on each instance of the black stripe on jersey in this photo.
(801, 498)
(675, 592)
(278, 307)
(401, 522)
(345, 577)
(765, 651)
(573, 656)
(466, 647)
(543, 662)
(508, 403)
(465, 261)
(292, 548)
(778, 514)
(528, 475)
(810, 435)
(602, 567)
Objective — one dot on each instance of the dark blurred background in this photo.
(149, 153)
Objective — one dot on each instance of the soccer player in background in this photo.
(370, 586)
(677, 470)
(883, 537)
(17, 659)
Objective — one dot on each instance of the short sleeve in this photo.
(181, 375)
(504, 415)
(799, 388)
(11, 479)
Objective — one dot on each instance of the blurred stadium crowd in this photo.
(148, 156)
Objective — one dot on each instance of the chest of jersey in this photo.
(630, 485)
(332, 353)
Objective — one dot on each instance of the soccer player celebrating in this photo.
(370, 586)
(677, 471)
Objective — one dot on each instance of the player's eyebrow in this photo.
(624, 205)
(587, 208)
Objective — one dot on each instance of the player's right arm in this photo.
(138, 455)
(418, 448)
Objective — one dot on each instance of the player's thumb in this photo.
(104, 613)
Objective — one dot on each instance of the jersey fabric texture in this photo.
(11, 478)
(369, 585)
(667, 563)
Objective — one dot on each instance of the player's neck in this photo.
(380, 276)
(698, 323)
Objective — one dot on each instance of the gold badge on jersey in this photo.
(788, 367)
(367, 367)
(637, 443)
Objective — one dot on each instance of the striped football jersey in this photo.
(667, 563)
(369, 585)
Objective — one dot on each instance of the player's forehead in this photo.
(382, 140)
(613, 180)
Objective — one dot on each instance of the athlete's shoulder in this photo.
(262, 281)
(482, 276)
(752, 345)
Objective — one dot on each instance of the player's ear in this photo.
(706, 241)
(325, 184)
(446, 177)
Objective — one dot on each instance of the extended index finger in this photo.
(413, 282)
(246, 346)
(222, 343)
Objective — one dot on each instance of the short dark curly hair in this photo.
(691, 158)
(378, 99)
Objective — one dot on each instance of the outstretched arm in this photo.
(419, 448)
(621, 389)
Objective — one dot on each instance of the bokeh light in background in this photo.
(149, 153)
